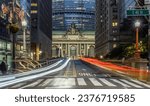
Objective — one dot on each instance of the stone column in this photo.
(86, 49)
(62, 54)
(69, 50)
(66, 49)
(80, 49)
(77, 47)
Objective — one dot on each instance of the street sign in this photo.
(138, 12)
(147, 2)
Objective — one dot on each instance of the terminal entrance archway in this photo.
(91, 52)
(73, 51)
(55, 51)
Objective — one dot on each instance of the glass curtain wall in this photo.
(79, 12)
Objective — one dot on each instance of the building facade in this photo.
(41, 29)
(79, 12)
(73, 43)
(107, 26)
(5, 43)
(5, 38)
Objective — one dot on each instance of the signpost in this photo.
(143, 12)
(138, 12)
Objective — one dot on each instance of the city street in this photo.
(80, 75)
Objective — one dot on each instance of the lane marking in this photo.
(80, 74)
(74, 70)
(70, 82)
(141, 83)
(81, 82)
(18, 85)
(64, 82)
(85, 74)
(46, 82)
(130, 83)
(95, 82)
(89, 74)
(67, 70)
(58, 81)
(107, 82)
(32, 84)
(121, 83)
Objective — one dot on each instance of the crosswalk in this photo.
(86, 74)
(83, 83)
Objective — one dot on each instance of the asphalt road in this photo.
(79, 75)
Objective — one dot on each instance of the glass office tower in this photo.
(126, 4)
(79, 12)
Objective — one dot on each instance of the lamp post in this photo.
(137, 52)
(24, 25)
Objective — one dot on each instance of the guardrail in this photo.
(43, 72)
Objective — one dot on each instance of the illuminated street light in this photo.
(40, 52)
(137, 24)
(24, 25)
(137, 52)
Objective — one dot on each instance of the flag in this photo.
(4, 8)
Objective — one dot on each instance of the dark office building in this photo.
(41, 32)
(79, 12)
(107, 26)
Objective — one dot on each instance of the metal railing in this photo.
(25, 64)
(34, 74)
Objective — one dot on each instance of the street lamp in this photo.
(137, 52)
(24, 25)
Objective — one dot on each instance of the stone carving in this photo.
(73, 33)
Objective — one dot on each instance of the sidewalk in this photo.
(8, 73)
(143, 75)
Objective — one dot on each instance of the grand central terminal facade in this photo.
(73, 43)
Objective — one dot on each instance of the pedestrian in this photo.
(3, 66)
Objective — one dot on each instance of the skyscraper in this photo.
(107, 26)
(79, 12)
(41, 32)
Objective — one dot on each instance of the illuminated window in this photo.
(114, 24)
(114, 45)
(34, 4)
(33, 11)
(114, 39)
